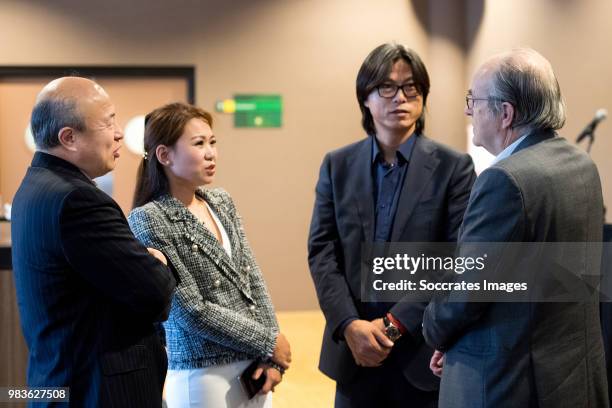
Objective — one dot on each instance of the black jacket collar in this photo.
(49, 161)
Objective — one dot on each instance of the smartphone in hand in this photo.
(251, 386)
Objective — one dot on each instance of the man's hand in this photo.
(368, 343)
(437, 362)
(157, 254)
(380, 324)
(273, 377)
(282, 351)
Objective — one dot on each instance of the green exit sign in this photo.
(254, 111)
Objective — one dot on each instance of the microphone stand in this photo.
(591, 139)
(590, 136)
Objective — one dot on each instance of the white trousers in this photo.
(212, 387)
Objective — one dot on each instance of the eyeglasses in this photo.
(469, 100)
(390, 90)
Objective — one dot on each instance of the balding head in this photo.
(70, 87)
(526, 80)
(59, 105)
(74, 119)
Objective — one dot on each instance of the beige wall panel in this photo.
(446, 49)
(16, 101)
(13, 349)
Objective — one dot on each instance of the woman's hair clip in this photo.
(145, 156)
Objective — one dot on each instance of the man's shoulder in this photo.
(45, 185)
(550, 165)
(441, 150)
(548, 156)
(424, 144)
(496, 175)
(349, 150)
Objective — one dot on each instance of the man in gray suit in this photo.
(539, 189)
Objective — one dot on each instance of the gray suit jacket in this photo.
(221, 311)
(527, 354)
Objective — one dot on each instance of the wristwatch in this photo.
(392, 331)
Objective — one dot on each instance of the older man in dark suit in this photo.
(88, 291)
(540, 189)
(395, 185)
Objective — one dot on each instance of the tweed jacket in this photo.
(221, 311)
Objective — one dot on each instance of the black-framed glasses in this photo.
(390, 90)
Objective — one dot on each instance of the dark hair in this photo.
(375, 70)
(49, 116)
(526, 80)
(163, 126)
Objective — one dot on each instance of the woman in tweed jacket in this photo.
(222, 317)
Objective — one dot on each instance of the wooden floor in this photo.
(304, 386)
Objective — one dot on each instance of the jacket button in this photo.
(194, 248)
(217, 283)
(247, 268)
(252, 308)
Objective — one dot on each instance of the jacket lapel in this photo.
(362, 168)
(421, 166)
(226, 217)
(199, 238)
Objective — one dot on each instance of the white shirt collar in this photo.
(509, 150)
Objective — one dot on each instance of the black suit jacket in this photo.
(88, 291)
(431, 206)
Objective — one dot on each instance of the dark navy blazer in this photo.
(430, 209)
(88, 291)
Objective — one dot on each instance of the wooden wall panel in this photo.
(13, 349)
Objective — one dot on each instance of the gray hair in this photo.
(49, 116)
(526, 80)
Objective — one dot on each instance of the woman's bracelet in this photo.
(276, 366)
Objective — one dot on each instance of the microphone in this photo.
(600, 115)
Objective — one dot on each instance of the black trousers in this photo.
(384, 387)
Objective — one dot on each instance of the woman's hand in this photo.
(159, 255)
(273, 377)
(282, 351)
